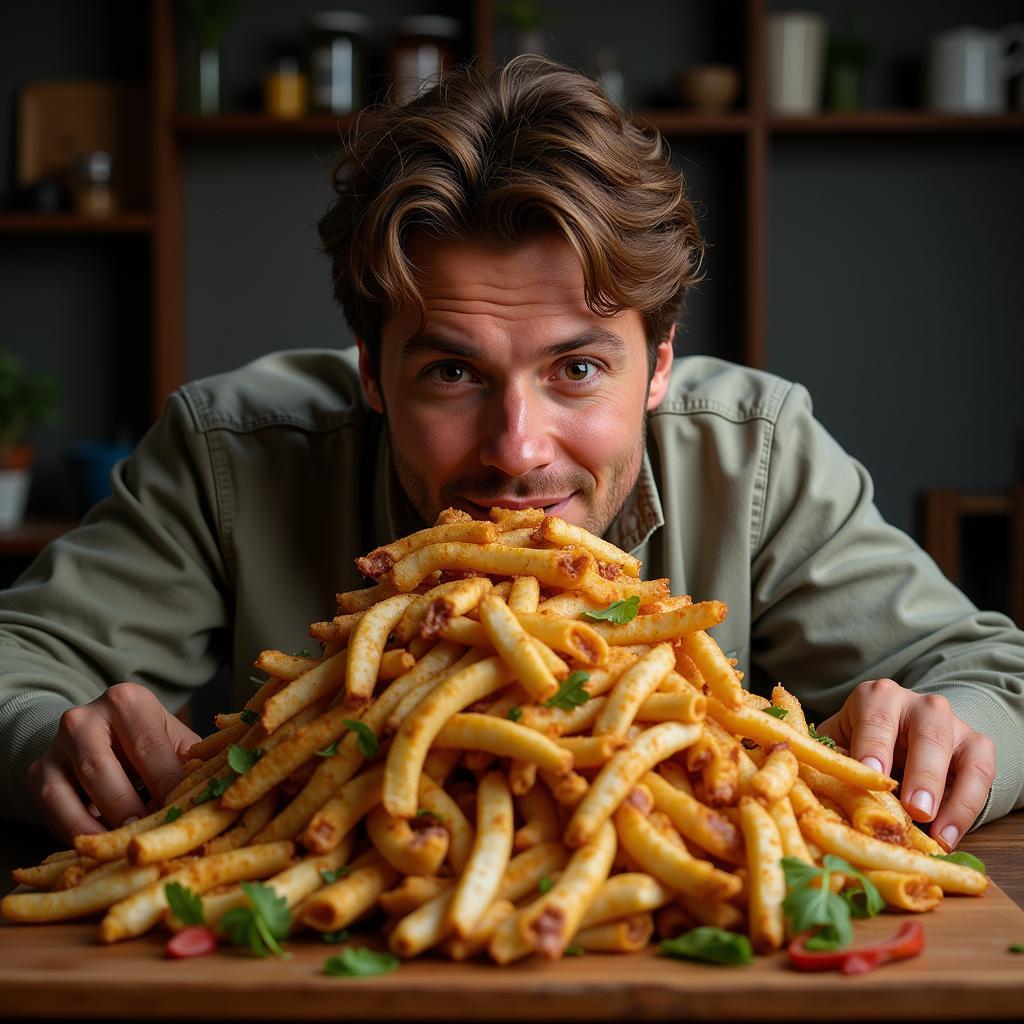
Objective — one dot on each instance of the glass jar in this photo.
(286, 89)
(425, 47)
(337, 50)
(94, 194)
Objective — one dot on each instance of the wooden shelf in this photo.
(16, 223)
(259, 125)
(32, 536)
(875, 121)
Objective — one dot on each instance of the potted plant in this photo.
(26, 399)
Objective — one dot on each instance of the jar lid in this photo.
(431, 25)
(341, 21)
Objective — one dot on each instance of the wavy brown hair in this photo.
(497, 156)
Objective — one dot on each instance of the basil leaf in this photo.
(1016, 947)
(365, 738)
(185, 905)
(779, 713)
(619, 612)
(963, 858)
(571, 694)
(260, 925)
(709, 945)
(573, 951)
(333, 938)
(242, 760)
(328, 751)
(360, 961)
(215, 788)
(331, 875)
(815, 735)
(173, 814)
(514, 714)
(248, 716)
(425, 812)
(545, 884)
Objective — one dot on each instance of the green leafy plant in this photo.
(572, 693)
(811, 904)
(619, 612)
(185, 905)
(360, 961)
(26, 400)
(709, 946)
(262, 924)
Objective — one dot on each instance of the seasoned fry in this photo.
(562, 534)
(380, 560)
(82, 900)
(503, 738)
(514, 645)
(767, 884)
(635, 685)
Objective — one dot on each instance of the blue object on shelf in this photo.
(91, 464)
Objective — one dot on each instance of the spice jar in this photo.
(425, 47)
(286, 89)
(336, 57)
(94, 195)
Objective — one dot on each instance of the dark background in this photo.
(893, 261)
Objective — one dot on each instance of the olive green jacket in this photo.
(237, 519)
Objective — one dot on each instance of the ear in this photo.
(368, 379)
(662, 371)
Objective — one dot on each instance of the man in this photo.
(512, 257)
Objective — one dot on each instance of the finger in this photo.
(874, 712)
(58, 800)
(974, 765)
(929, 737)
(84, 741)
(141, 725)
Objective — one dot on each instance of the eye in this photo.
(449, 373)
(578, 371)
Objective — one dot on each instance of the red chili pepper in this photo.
(907, 942)
(196, 940)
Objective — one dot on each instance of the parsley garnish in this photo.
(544, 885)
(242, 760)
(571, 694)
(1017, 947)
(365, 739)
(185, 905)
(425, 812)
(260, 925)
(331, 875)
(573, 951)
(302, 653)
(778, 713)
(360, 961)
(173, 814)
(710, 946)
(333, 938)
(514, 714)
(819, 908)
(619, 612)
(249, 716)
(815, 735)
(328, 751)
(215, 788)
(963, 858)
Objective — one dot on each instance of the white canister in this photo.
(968, 68)
(795, 61)
(14, 486)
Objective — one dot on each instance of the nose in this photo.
(517, 432)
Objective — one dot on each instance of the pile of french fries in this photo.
(511, 745)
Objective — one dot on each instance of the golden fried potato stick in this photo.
(629, 935)
(523, 537)
(596, 586)
(635, 685)
(322, 680)
(445, 810)
(673, 625)
(419, 851)
(253, 819)
(45, 875)
(864, 852)
(775, 778)
(579, 640)
(503, 738)
(717, 671)
(336, 631)
(461, 594)
(380, 560)
(360, 600)
(412, 892)
(515, 646)
(282, 668)
(478, 884)
(80, 901)
(622, 772)
(570, 604)
(865, 811)
(524, 594)
(631, 892)
(522, 776)
(339, 904)
(793, 842)
(561, 534)
(591, 751)
(367, 643)
(182, 835)
(412, 741)
(213, 744)
(552, 568)
(766, 881)
(463, 949)
(557, 722)
(548, 924)
(343, 812)
(914, 837)
(681, 706)
(516, 518)
(526, 869)
(426, 926)
(716, 913)
(782, 698)
(905, 891)
(413, 696)
(539, 814)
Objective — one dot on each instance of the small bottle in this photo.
(286, 89)
(425, 47)
(336, 54)
(94, 195)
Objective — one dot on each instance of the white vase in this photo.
(14, 484)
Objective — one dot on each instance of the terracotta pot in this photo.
(710, 88)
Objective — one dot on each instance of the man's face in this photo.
(515, 393)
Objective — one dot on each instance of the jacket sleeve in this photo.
(138, 592)
(840, 596)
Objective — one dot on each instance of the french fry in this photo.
(323, 679)
(577, 639)
(366, 646)
(339, 904)
(629, 935)
(562, 534)
(671, 625)
(516, 648)
(412, 892)
(767, 885)
(419, 851)
(426, 926)
(503, 738)
(635, 685)
(904, 891)
(775, 778)
(631, 892)
(81, 901)
(524, 595)
(716, 670)
(380, 560)
(682, 706)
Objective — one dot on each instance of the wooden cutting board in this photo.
(965, 972)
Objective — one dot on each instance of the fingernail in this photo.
(950, 834)
(923, 801)
(872, 762)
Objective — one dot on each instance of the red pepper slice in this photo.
(907, 942)
(196, 940)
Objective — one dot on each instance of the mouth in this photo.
(552, 506)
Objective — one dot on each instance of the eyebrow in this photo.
(429, 341)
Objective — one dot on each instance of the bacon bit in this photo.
(439, 614)
(547, 932)
(889, 834)
(609, 570)
(778, 746)
(640, 798)
(376, 563)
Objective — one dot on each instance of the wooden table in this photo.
(58, 972)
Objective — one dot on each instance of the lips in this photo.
(551, 505)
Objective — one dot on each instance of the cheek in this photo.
(596, 437)
(431, 436)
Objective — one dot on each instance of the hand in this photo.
(947, 767)
(100, 747)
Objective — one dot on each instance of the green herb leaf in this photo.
(571, 694)
(334, 938)
(215, 788)
(514, 714)
(173, 814)
(545, 884)
(963, 858)
(1017, 947)
(619, 612)
(573, 951)
(331, 875)
(425, 812)
(815, 735)
(365, 739)
(185, 905)
(242, 760)
(328, 751)
(260, 925)
(248, 716)
(360, 961)
(779, 713)
(710, 946)
(302, 653)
